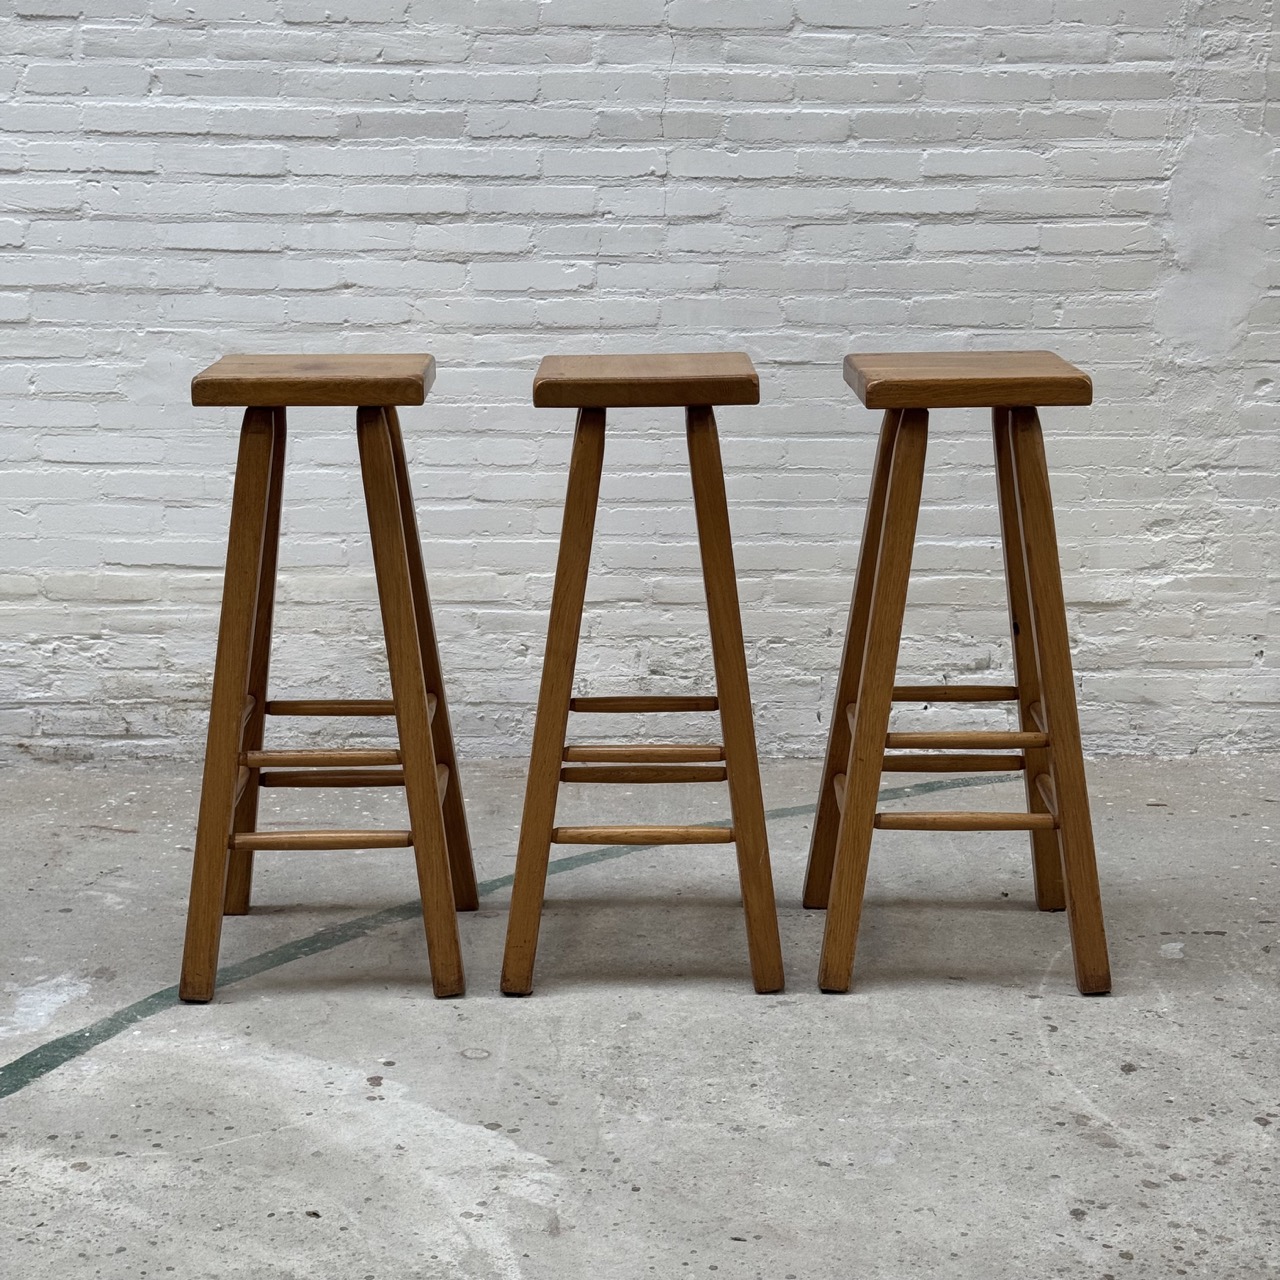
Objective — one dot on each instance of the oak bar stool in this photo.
(236, 765)
(1046, 748)
(593, 384)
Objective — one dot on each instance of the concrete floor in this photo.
(962, 1113)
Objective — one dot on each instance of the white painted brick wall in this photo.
(493, 180)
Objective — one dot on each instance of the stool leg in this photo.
(826, 823)
(230, 686)
(875, 698)
(409, 690)
(720, 582)
(462, 868)
(1058, 700)
(543, 783)
(1046, 860)
(240, 861)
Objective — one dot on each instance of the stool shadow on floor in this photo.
(901, 948)
(633, 941)
(337, 910)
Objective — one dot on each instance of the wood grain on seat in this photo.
(622, 382)
(965, 379)
(353, 380)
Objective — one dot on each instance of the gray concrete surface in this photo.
(962, 1113)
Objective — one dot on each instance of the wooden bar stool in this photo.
(236, 765)
(592, 384)
(1046, 747)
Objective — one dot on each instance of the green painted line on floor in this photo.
(48, 1057)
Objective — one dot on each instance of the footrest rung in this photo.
(957, 821)
(644, 773)
(965, 821)
(644, 704)
(974, 739)
(320, 759)
(674, 753)
(322, 840)
(343, 777)
(642, 835)
(331, 707)
(979, 740)
(952, 764)
(339, 706)
(331, 778)
(971, 739)
(955, 693)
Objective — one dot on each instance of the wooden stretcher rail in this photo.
(644, 704)
(972, 739)
(977, 740)
(959, 821)
(323, 758)
(673, 753)
(952, 764)
(642, 835)
(343, 778)
(331, 778)
(955, 693)
(281, 840)
(643, 773)
(336, 706)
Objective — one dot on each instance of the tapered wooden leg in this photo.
(240, 861)
(543, 784)
(409, 691)
(746, 802)
(230, 686)
(1046, 860)
(826, 823)
(1058, 700)
(874, 699)
(462, 869)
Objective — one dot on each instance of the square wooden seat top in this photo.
(965, 379)
(638, 381)
(271, 381)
